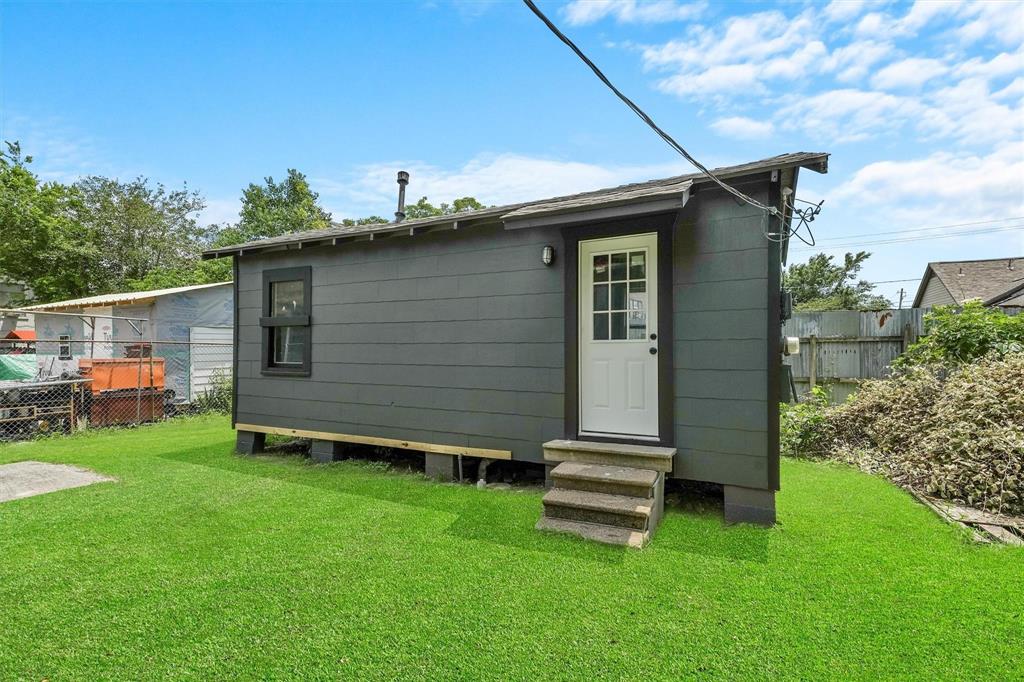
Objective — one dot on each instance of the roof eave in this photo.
(818, 162)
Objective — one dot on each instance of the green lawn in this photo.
(200, 563)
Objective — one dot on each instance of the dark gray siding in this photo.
(450, 338)
(457, 338)
(719, 297)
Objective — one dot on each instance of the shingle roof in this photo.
(119, 299)
(990, 280)
(624, 194)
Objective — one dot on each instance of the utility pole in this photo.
(902, 294)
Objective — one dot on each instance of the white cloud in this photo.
(580, 12)
(60, 153)
(843, 10)
(908, 73)
(941, 188)
(848, 115)
(220, 211)
(852, 62)
(1002, 22)
(728, 78)
(968, 112)
(743, 128)
(492, 179)
(742, 57)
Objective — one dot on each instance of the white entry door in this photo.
(618, 313)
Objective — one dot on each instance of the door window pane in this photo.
(618, 326)
(619, 296)
(601, 268)
(638, 325)
(637, 265)
(618, 266)
(638, 310)
(289, 343)
(286, 298)
(601, 327)
(600, 297)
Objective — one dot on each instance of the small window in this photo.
(63, 347)
(286, 321)
(620, 296)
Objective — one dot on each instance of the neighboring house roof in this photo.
(21, 335)
(531, 213)
(127, 298)
(995, 281)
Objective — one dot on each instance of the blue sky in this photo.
(921, 105)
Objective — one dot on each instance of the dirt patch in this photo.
(27, 479)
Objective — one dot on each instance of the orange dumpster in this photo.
(120, 373)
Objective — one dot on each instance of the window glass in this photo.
(287, 298)
(618, 266)
(619, 296)
(620, 287)
(637, 265)
(289, 343)
(618, 326)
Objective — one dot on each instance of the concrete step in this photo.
(602, 478)
(600, 508)
(610, 535)
(611, 454)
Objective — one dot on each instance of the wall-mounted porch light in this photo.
(547, 256)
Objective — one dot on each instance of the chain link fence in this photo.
(68, 384)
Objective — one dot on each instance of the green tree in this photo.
(139, 230)
(821, 284)
(42, 246)
(424, 209)
(276, 208)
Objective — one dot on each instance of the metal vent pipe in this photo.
(403, 180)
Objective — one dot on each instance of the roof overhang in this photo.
(569, 213)
(656, 196)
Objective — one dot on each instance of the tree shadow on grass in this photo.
(500, 517)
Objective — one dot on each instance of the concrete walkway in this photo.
(26, 479)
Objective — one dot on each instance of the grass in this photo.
(199, 563)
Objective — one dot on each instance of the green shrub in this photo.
(216, 397)
(958, 435)
(958, 335)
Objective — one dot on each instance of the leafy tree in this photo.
(276, 208)
(820, 284)
(42, 246)
(138, 231)
(371, 220)
(424, 209)
(955, 336)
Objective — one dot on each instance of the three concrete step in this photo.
(608, 492)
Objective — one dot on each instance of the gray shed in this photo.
(618, 336)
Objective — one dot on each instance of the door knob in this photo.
(654, 351)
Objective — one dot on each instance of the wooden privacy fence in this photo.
(841, 348)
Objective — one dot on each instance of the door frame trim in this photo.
(664, 226)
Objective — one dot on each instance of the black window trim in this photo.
(269, 322)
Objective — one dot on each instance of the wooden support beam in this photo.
(383, 442)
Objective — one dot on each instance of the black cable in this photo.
(643, 116)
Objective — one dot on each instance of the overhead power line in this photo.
(965, 233)
(920, 229)
(643, 116)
